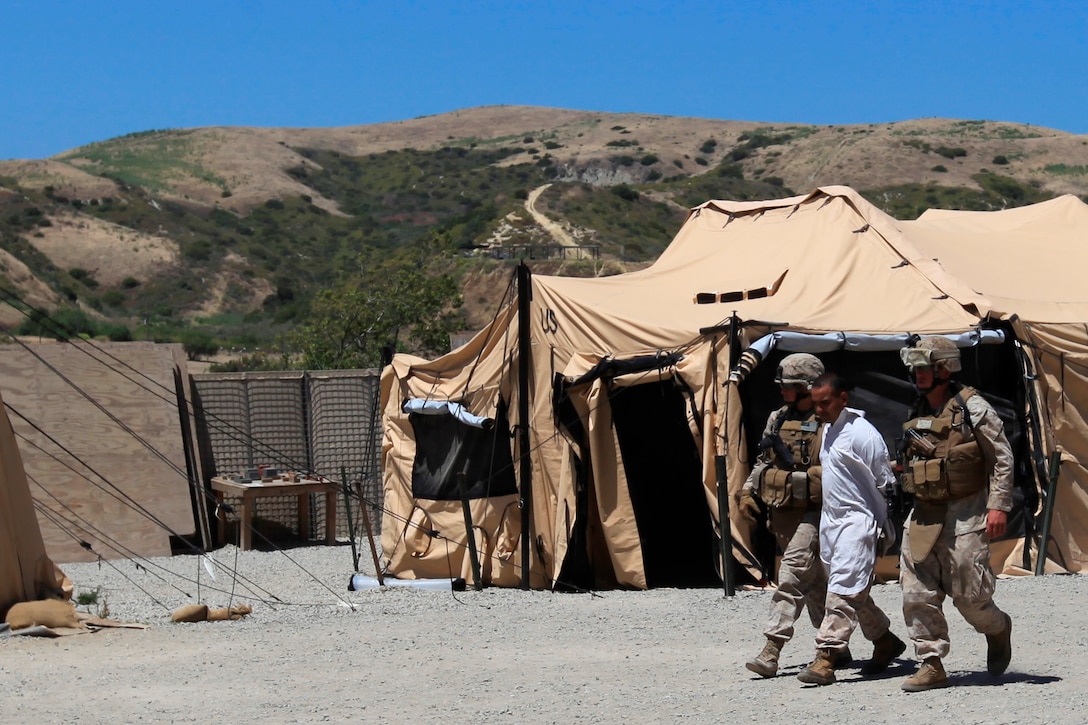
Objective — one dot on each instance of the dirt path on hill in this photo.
(557, 232)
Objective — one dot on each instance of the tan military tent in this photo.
(26, 571)
(616, 391)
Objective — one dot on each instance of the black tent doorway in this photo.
(664, 478)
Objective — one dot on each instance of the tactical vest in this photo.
(799, 485)
(943, 465)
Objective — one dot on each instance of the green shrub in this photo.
(708, 146)
(625, 192)
(1000, 160)
(950, 153)
(940, 168)
(116, 333)
(114, 298)
(130, 282)
(648, 160)
(198, 343)
(701, 161)
(731, 171)
(60, 324)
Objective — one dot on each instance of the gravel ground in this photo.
(314, 652)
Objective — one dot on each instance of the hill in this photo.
(231, 231)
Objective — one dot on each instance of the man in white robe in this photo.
(856, 471)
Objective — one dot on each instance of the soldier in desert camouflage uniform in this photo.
(959, 470)
(787, 480)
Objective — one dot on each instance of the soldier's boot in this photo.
(843, 658)
(822, 669)
(999, 649)
(886, 648)
(930, 676)
(765, 664)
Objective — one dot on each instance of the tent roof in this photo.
(828, 261)
(1027, 261)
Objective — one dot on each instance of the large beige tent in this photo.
(26, 571)
(599, 414)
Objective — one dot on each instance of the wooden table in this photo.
(250, 491)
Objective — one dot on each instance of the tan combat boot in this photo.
(930, 676)
(765, 664)
(822, 669)
(999, 649)
(886, 648)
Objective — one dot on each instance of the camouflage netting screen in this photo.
(322, 424)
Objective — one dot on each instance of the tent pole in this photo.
(726, 527)
(470, 537)
(1048, 511)
(524, 464)
(369, 535)
(723, 469)
(347, 512)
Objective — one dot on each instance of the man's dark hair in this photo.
(835, 381)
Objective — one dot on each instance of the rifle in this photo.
(781, 451)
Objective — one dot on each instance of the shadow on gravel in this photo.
(983, 679)
(901, 669)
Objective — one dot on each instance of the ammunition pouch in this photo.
(789, 489)
(815, 484)
(960, 474)
(945, 464)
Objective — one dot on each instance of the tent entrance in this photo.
(664, 479)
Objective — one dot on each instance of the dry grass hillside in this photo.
(250, 163)
(203, 172)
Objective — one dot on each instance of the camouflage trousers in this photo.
(845, 613)
(959, 567)
(802, 581)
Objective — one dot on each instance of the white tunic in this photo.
(855, 474)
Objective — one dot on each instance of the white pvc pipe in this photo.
(359, 582)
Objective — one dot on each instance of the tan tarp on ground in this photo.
(26, 571)
(825, 262)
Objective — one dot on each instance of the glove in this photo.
(749, 507)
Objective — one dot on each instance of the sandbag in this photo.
(52, 613)
(190, 613)
(202, 613)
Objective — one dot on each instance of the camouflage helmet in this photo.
(800, 368)
(940, 352)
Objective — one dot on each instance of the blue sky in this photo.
(75, 71)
